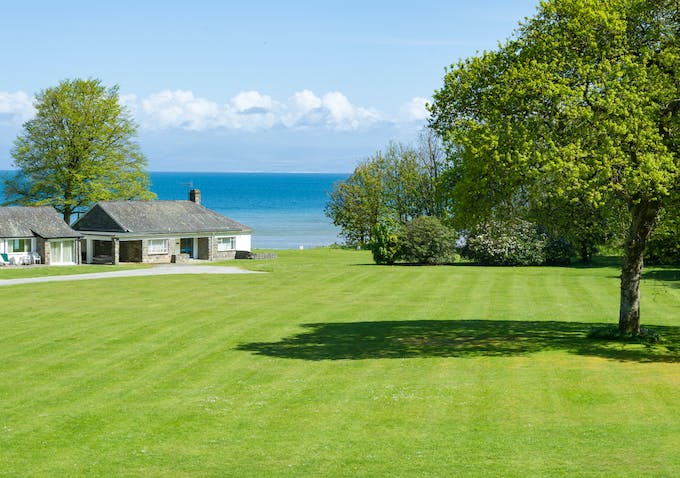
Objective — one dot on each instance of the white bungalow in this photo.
(159, 231)
(31, 235)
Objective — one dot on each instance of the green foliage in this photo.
(393, 186)
(580, 225)
(506, 243)
(425, 240)
(78, 150)
(664, 245)
(559, 251)
(384, 243)
(356, 204)
(581, 105)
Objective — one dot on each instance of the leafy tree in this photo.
(583, 99)
(425, 240)
(356, 205)
(664, 245)
(388, 187)
(385, 243)
(403, 181)
(78, 150)
(432, 159)
(580, 223)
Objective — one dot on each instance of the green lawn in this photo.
(329, 366)
(21, 272)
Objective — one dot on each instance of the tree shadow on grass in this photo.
(671, 275)
(458, 338)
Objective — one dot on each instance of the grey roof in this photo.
(155, 217)
(25, 221)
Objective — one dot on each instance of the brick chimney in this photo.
(195, 196)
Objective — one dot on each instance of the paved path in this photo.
(151, 271)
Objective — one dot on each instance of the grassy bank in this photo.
(330, 366)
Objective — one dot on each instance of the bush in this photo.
(507, 243)
(558, 252)
(425, 240)
(664, 245)
(384, 244)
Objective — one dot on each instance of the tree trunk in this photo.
(67, 215)
(644, 216)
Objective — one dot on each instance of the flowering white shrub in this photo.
(509, 243)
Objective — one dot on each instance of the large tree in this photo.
(77, 150)
(582, 104)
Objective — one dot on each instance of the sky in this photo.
(285, 86)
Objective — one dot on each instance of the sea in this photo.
(285, 210)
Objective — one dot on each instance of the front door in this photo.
(186, 246)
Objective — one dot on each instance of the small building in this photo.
(159, 232)
(37, 234)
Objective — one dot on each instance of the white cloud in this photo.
(245, 111)
(306, 100)
(18, 106)
(345, 115)
(252, 101)
(415, 110)
(333, 110)
(177, 109)
(249, 111)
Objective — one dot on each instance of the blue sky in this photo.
(250, 86)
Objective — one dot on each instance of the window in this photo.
(62, 252)
(158, 246)
(19, 245)
(226, 243)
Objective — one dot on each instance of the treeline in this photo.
(393, 186)
(400, 204)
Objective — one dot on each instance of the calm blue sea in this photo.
(284, 210)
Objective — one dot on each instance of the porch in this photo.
(148, 250)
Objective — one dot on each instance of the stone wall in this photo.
(221, 255)
(173, 250)
(42, 247)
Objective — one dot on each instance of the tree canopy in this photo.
(77, 150)
(581, 105)
(395, 185)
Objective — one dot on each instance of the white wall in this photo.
(243, 242)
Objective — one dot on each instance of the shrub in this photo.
(558, 251)
(506, 243)
(664, 245)
(384, 243)
(425, 240)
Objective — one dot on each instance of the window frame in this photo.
(229, 241)
(153, 249)
(28, 245)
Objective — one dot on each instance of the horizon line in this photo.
(232, 172)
